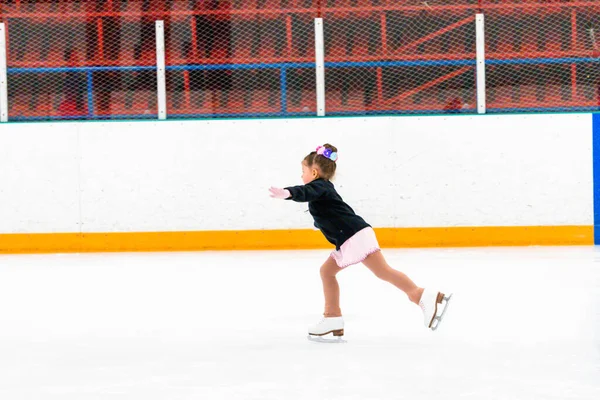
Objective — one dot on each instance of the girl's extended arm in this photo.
(309, 192)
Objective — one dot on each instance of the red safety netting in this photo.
(97, 59)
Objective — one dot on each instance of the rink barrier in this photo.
(292, 239)
(596, 162)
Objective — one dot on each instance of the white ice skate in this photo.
(327, 325)
(433, 313)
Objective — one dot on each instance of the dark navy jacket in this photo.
(332, 216)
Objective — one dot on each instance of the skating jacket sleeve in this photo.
(310, 192)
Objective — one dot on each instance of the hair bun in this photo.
(331, 147)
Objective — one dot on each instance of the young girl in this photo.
(354, 241)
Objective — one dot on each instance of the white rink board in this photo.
(440, 171)
(39, 186)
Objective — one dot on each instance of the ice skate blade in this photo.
(438, 318)
(323, 339)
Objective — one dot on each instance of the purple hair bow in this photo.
(327, 153)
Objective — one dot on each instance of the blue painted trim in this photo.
(414, 63)
(127, 116)
(286, 113)
(596, 163)
(206, 67)
(567, 60)
(397, 112)
(541, 109)
(234, 115)
(50, 118)
(283, 86)
(312, 114)
(349, 64)
(76, 69)
(116, 117)
(90, 94)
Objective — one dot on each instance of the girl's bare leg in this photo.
(331, 288)
(377, 264)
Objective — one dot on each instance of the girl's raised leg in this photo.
(377, 264)
(430, 301)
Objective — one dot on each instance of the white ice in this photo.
(524, 323)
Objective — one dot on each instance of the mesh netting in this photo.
(542, 54)
(400, 56)
(97, 59)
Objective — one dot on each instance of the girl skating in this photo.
(354, 241)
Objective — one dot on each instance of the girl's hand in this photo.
(278, 193)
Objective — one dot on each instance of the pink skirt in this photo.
(354, 250)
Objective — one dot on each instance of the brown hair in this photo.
(326, 166)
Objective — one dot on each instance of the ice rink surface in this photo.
(524, 323)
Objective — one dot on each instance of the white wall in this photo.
(212, 175)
